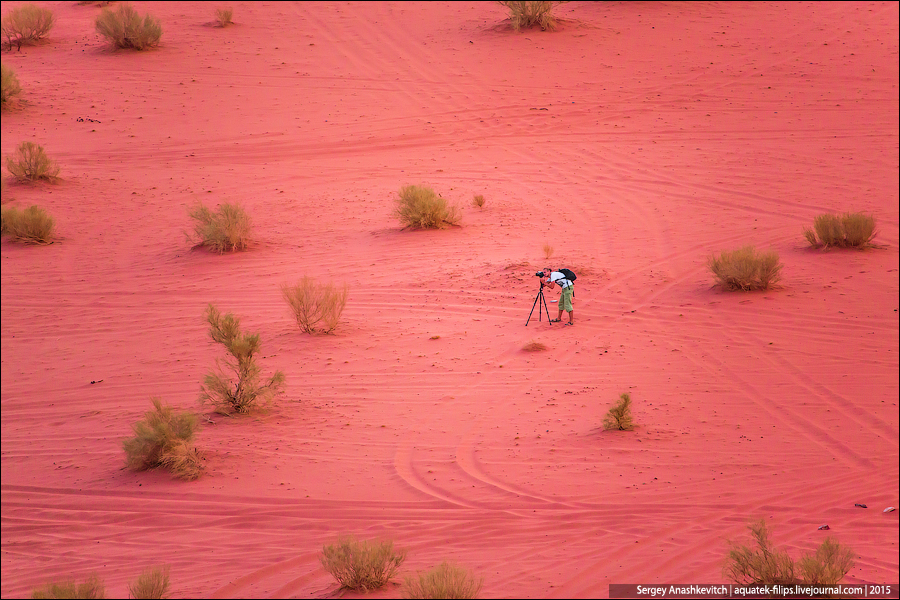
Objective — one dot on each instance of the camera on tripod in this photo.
(539, 274)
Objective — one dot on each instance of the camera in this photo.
(539, 274)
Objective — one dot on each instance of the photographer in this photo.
(565, 298)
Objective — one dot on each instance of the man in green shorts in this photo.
(565, 298)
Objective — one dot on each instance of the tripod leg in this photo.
(547, 309)
(532, 308)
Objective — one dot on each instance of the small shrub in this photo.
(534, 346)
(92, 588)
(223, 16)
(850, 230)
(9, 84)
(163, 439)
(478, 201)
(619, 416)
(548, 250)
(443, 581)
(315, 305)
(125, 28)
(531, 13)
(30, 163)
(242, 390)
(25, 25)
(362, 566)
(227, 229)
(30, 226)
(758, 562)
(746, 269)
(151, 584)
(828, 565)
(420, 207)
(859, 229)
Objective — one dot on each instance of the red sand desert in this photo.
(636, 140)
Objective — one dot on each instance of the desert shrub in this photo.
(619, 416)
(31, 163)
(420, 207)
(152, 583)
(444, 581)
(478, 201)
(859, 229)
(223, 16)
(530, 13)
(849, 230)
(534, 346)
(241, 390)
(226, 229)
(315, 305)
(125, 28)
(548, 250)
(163, 439)
(828, 565)
(362, 565)
(759, 562)
(26, 24)
(92, 588)
(746, 269)
(30, 226)
(9, 84)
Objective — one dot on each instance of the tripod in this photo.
(540, 296)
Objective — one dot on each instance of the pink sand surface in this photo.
(636, 140)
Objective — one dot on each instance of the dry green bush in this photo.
(92, 588)
(420, 207)
(163, 439)
(444, 581)
(125, 28)
(828, 565)
(478, 201)
(849, 230)
(31, 163)
(362, 565)
(619, 416)
(316, 306)
(30, 226)
(226, 229)
(759, 563)
(240, 391)
(746, 269)
(223, 16)
(534, 346)
(152, 583)
(9, 84)
(25, 25)
(527, 13)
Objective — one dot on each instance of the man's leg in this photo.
(572, 317)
